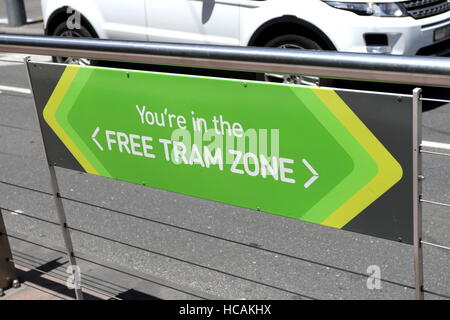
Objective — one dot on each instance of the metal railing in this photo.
(429, 71)
(421, 71)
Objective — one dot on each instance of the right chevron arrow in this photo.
(313, 171)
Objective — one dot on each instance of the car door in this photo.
(193, 21)
(123, 19)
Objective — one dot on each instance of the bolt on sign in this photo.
(332, 157)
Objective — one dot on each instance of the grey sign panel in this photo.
(389, 117)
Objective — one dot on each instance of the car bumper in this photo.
(404, 35)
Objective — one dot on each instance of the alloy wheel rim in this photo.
(73, 60)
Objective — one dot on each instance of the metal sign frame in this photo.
(417, 192)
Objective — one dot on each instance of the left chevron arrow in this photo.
(93, 137)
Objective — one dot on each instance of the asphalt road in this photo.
(212, 248)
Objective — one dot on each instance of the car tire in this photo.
(62, 30)
(294, 41)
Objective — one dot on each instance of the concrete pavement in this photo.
(37, 284)
(30, 29)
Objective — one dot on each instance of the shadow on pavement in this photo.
(36, 277)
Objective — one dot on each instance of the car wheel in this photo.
(62, 30)
(293, 41)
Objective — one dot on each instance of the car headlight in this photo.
(371, 9)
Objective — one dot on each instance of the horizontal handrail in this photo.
(433, 71)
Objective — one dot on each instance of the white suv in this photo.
(386, 26)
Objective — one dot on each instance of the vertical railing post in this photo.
(417, 192)
(64, 229)
(17, 15)
(7, 270)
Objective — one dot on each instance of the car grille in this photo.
(419, 9)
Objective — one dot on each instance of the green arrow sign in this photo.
(292, 151)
